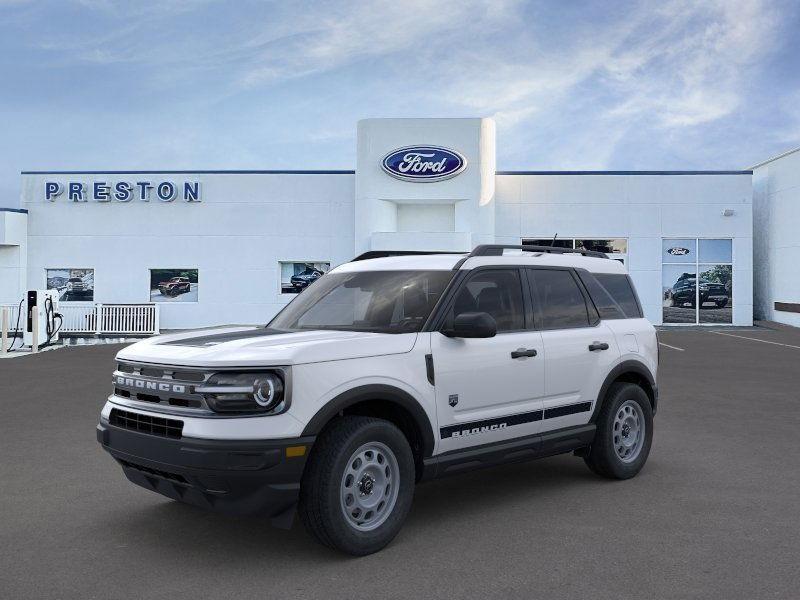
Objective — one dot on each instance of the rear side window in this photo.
(613, 295)
(560, 301)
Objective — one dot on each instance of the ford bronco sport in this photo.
(389, 370)
(305, 278)
(175, 286)
(685, 292)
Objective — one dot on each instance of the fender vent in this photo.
(170, 428)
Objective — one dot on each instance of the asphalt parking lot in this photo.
(714, 514)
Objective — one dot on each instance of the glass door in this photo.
(689, 299)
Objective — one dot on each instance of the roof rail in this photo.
(497, 250)
(388, 253)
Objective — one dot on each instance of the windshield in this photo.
(377, 301)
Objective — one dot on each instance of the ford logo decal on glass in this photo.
(678, 251)
(423, 163)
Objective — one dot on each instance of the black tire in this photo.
(320, 506)
(603, 458)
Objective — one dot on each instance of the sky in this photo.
(572, 85)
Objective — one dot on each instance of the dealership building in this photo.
(220, 247)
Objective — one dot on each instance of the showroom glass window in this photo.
(697, 281)
(614, 248)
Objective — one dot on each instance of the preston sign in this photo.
(123, 191)
(423, 163)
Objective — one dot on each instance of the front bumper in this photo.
(230, 476)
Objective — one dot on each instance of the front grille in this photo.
(169, 428)
(157, 472)
(166, 386)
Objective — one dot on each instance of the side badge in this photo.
(452, 400)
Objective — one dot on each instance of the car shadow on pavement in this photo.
(200, 535)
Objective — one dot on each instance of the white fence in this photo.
(99, 318)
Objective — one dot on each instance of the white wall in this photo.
(245, 225)
(13, 255)
(247, 222)
(642, 208)
(776, 199)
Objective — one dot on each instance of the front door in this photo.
(489, 389)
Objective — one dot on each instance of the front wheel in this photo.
(358, 486)
(624, 433)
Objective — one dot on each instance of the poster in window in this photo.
(716, 293)
(174, 285)
(73, 285)
(298, 275)
(679, 288)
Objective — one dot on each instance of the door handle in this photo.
(523, 352)
(598, 346)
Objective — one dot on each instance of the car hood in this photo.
(251, 346)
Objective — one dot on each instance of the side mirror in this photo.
(472, 325)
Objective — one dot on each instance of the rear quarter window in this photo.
(612, 294)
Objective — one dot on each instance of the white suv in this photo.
(391, 369)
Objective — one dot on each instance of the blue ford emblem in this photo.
(423, 163)
(678, 251)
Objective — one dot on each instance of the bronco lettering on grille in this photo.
(144, 384)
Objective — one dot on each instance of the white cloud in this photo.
(336, 34)
(570, 84)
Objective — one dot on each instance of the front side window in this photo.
(561, 303)
(376, 301)
(498, 293)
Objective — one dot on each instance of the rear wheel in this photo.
(358, 486)
(624, 433)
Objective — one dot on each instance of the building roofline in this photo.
(742, 172)
(197, 172)
(347, 172)
(781, 155)
(24, 211)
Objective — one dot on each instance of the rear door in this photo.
(489, 389)
(579, 349)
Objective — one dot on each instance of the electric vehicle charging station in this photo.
(42, 321)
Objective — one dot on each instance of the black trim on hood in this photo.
(220, 338)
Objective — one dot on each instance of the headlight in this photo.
(244, 393)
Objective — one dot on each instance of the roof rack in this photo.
(388, 253)
(497, 250)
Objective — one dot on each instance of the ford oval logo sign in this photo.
(678, 251)
(423, 163)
